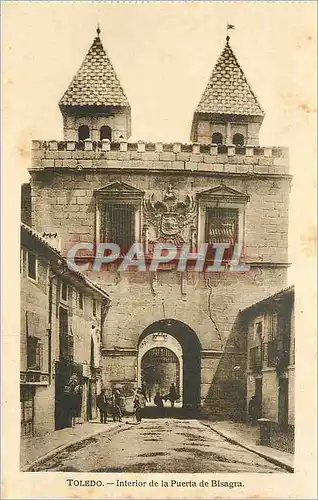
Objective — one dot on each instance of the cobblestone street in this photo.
(159, 445)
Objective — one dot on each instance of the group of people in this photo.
(109, 405)
(172, 396)
(112, 405)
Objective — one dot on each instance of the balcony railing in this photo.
(256, 358)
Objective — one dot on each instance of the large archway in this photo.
(183, 342)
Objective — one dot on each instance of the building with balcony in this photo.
(62, 317)
(97, 186)
(270, 331)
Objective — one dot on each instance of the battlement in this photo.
(147, 155)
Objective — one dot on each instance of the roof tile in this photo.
(228, 91)
(95, 83)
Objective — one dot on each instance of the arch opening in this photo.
(217, 138)
(185, 364)
(83, 132)
(105, 133)
(238, 139)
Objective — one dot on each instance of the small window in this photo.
(105, 133)
(32, 266)
(258, 332)
(272, 326)
(64, 292)
(217, 138)
(119, 225)
(222, 225)
(83, 132)
(80, 301)
(94, 307)
(238, 140)
(35, 353)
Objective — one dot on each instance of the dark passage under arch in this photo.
(191, 348)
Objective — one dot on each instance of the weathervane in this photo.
(229, 27)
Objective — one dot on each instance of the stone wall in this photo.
(64, 177)
(63, 184)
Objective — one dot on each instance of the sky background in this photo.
(163, 55)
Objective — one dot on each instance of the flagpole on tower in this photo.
(228, 28)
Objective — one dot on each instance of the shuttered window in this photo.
(119, 225)
(221, 225)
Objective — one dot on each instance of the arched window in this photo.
(83, 132)
(217, 138)
(238, 139)
(105, 133)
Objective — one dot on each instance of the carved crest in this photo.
(170, 216)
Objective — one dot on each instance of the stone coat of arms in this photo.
(170, 216)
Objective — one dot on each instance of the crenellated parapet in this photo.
(147, 155)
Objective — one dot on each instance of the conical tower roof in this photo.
(96, 82)
(228, 92)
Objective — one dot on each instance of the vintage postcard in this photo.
(159, 191)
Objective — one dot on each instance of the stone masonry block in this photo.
(88, 145)
(80, 192)
(141, 164)
(82, 200)
(69, 163)
(70, 145)
(260, 169)
(159, 147)
(86, 163)
(229, 168)
(236, 159)
(36, 163)
(191, 165)
(196, 157)
(61, 200)
(281, 169)
(123, 155)
(116, 164)
(242, 169)
(249, 161)
(47, 163)
(141, 146)
(150, 156)
(162, 164)
(265, 161)
(112, 155)
(183, 156)
(167, 156)
(99, 163)
(66, 154)
(178, 165)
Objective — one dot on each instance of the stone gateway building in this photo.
(96, 186)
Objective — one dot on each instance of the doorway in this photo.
(179, 338)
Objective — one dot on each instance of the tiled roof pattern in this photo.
(228, 91)
(95, 83)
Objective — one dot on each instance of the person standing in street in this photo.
(158, 400)
(173, 396)
(139, 405)
(102, 406)
(254, 410)
(116, 404)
